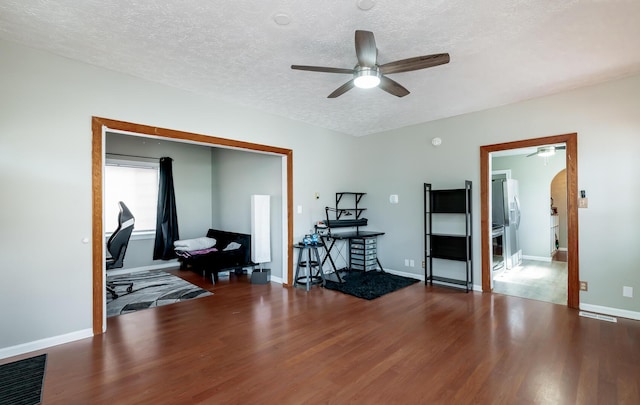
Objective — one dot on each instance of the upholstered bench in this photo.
(230, 251)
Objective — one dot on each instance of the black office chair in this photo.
(117, 247)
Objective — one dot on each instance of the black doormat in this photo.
(369, 284)
(21, 381)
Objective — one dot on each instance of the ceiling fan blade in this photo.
(366, 50)
(392, 87)
(560, 147)
(342, 89)
(322, 69)
(418, 62)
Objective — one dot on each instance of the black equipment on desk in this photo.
(338, 222)
(312, 240)
(362, 244)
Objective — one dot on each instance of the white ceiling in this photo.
(502, 51)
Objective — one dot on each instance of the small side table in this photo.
(314, 274)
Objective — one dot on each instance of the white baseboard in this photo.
(536, 258)
(622, 313)
(405, 274)
(169, 264)
(420, 277)
(44, 343)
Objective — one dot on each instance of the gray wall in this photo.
(192, 184)
(45, 162)
(607, 122)
(238, 175)
(45, 170)
(213, 188)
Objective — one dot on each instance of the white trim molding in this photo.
(405, 274)
(44, 343)
(621, 313)
(537, 258)
(173, 263)
(420, 277)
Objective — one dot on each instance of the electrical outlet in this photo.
(583, 202)
(406, 262)
(412, 263)
(627, 291)
(584, 286)
(423, 264)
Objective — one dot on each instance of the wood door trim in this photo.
(97, 126)
(571, 140)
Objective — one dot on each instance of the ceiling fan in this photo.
(546, 151)
(368, 73)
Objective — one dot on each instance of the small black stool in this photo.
(311, 264)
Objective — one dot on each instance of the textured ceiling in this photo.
(502, 51)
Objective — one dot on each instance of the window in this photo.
(136, 184)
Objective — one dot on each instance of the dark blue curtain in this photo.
(167, 217)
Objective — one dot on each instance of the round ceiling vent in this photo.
(366, 4)
(282, 19)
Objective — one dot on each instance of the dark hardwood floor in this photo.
(265, 344)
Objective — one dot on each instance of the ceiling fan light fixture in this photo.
(546, 151)
(366, 78)
(367, 73)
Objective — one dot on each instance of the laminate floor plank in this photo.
(266, 344)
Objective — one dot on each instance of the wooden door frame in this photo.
(571, 140)
(98, 127)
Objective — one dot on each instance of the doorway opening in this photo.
(572, 208)
(525, 219)
(99, 128)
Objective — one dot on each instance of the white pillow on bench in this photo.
(194, 244)
(232, 246)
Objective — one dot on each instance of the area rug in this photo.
(21, 381)
(152, 288)
(369, 284)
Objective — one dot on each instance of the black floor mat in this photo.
(21, 381)
(369, 284)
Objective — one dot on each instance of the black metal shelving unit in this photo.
(456, 247)
(362, 251)
(352, 209)
(363, 245)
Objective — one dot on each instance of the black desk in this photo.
(330, 240)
